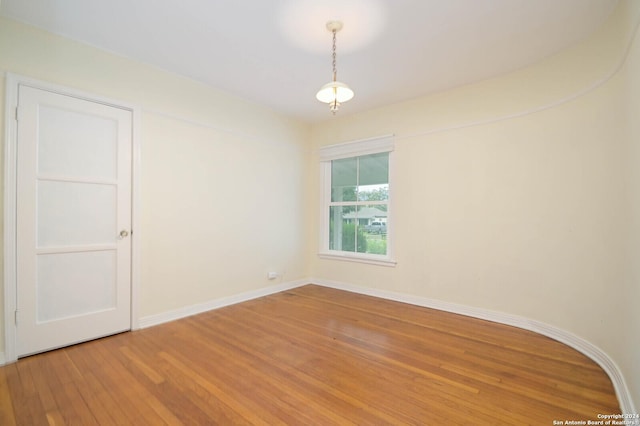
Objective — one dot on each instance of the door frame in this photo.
(13, 82)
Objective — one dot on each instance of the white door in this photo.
(73, 204)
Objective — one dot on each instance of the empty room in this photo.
(301, 212)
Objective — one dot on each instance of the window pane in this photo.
(335, 231)
(373, 177)
(373, 192)
(345, 234)
(344, 179)
(373, 224)
(374, 169)
(361, 229)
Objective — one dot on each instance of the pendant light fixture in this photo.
(334, 93)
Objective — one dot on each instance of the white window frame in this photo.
(348, 150)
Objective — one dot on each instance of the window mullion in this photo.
(356, 220)
(358, 203)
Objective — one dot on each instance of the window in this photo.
(356, 221)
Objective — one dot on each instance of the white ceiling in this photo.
(278, 52)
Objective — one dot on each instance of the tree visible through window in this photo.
(357, 205)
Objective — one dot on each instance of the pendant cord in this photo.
(334, 55)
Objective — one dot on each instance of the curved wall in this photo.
(516, 194)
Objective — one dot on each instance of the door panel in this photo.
(71, 213)
(67, 153)
(58, 295)
(74, 198)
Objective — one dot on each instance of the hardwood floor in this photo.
(310, 356)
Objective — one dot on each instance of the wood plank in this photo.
(341, 362)
(7, 416)
(419, 387)
(311, 355)
(27, 409)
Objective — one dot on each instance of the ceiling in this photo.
(278, 52)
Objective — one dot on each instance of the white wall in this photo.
(222, 201)
(220, 210)
(514, 194)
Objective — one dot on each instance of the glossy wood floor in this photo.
(310, 356)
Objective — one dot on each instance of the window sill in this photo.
(358, 259)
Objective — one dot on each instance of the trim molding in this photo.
(368, 146)
(548, 105)
(187, 311)
(562, 336)
(9, 209)
(363, 259)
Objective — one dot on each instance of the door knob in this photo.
(124, 234)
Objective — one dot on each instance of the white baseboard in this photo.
(569, 339)
(199, 308)
(3, 360)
